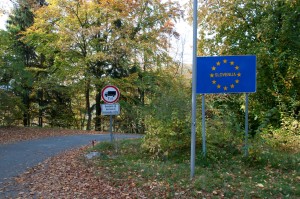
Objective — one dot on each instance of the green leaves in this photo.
(11, 108)
(168, 117)
(268, 29)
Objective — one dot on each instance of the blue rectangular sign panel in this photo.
(226, 74)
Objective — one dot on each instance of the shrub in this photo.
(167, 119)
(163, 137)
(10, 108)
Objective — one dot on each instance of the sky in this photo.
(181, 49)
(6, 5)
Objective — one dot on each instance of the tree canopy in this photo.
(81, 45)
(268, 29)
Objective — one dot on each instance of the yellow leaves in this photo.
(168, 27)
(76, 22)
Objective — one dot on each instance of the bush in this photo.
(10, 108)
(286, 138)
(167, 120)
(163, 137)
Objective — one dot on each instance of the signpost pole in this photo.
(203, 127)
(193, 128)
(246, 124)
(110, 129)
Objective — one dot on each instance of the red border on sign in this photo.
(118, 94)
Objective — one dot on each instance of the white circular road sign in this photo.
(110, 94)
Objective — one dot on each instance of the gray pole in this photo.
(203, 127)
(246, 125)
(193, 129)
(110, 128)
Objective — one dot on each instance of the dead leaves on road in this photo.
(70, 176)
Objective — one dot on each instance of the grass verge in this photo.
(222, 174)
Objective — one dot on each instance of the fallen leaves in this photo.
(68, 175)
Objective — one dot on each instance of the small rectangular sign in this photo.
(110, 109)
(226, 74)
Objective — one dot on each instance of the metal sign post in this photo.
(110, 128)
(203, 127)
(193, 129)
(246, 125)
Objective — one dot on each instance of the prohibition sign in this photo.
(110, 94)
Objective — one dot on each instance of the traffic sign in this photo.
(110, 109)
(110, 94)
(226, 74)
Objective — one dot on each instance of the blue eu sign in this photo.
(226, 74)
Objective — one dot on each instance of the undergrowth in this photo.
(224, 172)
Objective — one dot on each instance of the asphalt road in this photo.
(16, 158)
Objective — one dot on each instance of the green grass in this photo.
(222, 173)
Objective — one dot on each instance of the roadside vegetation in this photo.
(224, 173)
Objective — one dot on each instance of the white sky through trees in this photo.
(5, 7)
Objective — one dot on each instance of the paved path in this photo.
(17, 157)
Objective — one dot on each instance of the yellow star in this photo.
(218, 63)
(237, 67)
(239, 74)
(225, 61)
(232, 85)
(237, 81)
(213, 68)
(211, 75)
(214, 81)
(232, 63)
(219, 86)
(225, 88)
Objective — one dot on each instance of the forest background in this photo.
(57, 55)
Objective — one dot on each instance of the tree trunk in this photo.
(98, 112)
(26, 114)
(87, 105)
(141, 123)
(40, 98)
(82, 121)
(26, 120)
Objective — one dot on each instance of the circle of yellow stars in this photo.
(234, 83)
